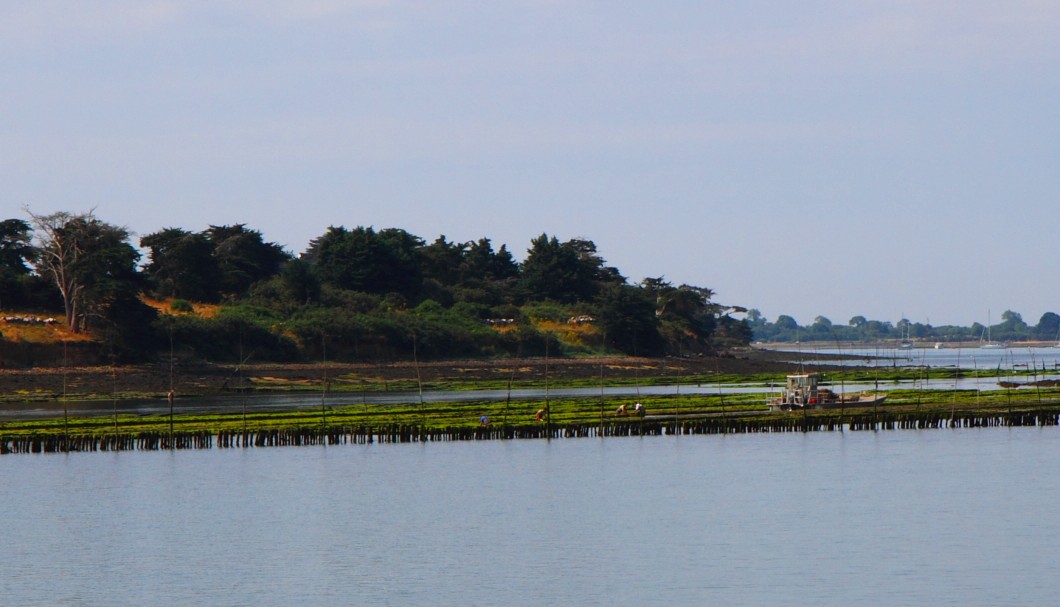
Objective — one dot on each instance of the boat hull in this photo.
(861, 401)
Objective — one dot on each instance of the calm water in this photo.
(939, 517)
(966, 358)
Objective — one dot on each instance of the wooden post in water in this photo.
(419, 380)
(66, 417)
(508, 399)
(114, 392)
(548, 409)
(242, 383)
(324, 384)
(172, 394)
(956, 378)
(601, 432)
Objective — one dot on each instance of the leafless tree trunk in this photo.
(60, 246)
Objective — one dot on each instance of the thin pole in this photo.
(508, 400)
(114, 393)
(242, 386)
(601, 398)
(324, 386)
(419, 379)
(171, 396)
(66, 429)
(548, 409)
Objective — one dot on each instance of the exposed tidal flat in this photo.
(314, 405)
(961, 517)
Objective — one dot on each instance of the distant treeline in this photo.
(859, 329)
(353, 294)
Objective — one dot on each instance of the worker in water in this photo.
(540, 415)
(484, 420)
(621, 410)
(638, 409)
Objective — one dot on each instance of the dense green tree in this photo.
(754, 317)
(16, 248)
(16, 255)
(182, 264)
(786, 322)
(361, 259)
(1012, 326)
(627, 318)
(402, 263)
(1048, 326)
(483, 264)
(91, 262)
(687, 316)
(594, 265)
(243, 257)
(731, 332)
(558, 272)
(299, 282)
(444, 261)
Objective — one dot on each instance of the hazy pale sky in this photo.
(835, 158)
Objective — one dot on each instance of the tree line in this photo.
(354, 293)
(859, 329)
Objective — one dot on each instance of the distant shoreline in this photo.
(892, 345)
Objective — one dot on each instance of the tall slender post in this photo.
(508, 400)
(66, 417)
(548, 408)
(172, 394)
(324, 386)
(419, 382)
(114, 393)
(242, 387)
(601, 398)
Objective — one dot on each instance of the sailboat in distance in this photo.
(985, 342)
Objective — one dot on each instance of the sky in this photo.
(881, 158)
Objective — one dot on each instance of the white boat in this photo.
(906, 343)
(802, 392)
(985, 342)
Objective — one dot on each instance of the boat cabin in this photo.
(801, 392)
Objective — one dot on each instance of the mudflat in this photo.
(203, 378)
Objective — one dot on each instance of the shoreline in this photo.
(201, 379)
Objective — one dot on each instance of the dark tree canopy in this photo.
(182, 264)
(363, 260)
(1048, 326)
(565, 273)
(243, 257)
(91, 261)
(16, 248)
(482, 263)
(627, 317)
(16, 255)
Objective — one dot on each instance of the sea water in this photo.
(938, 517)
